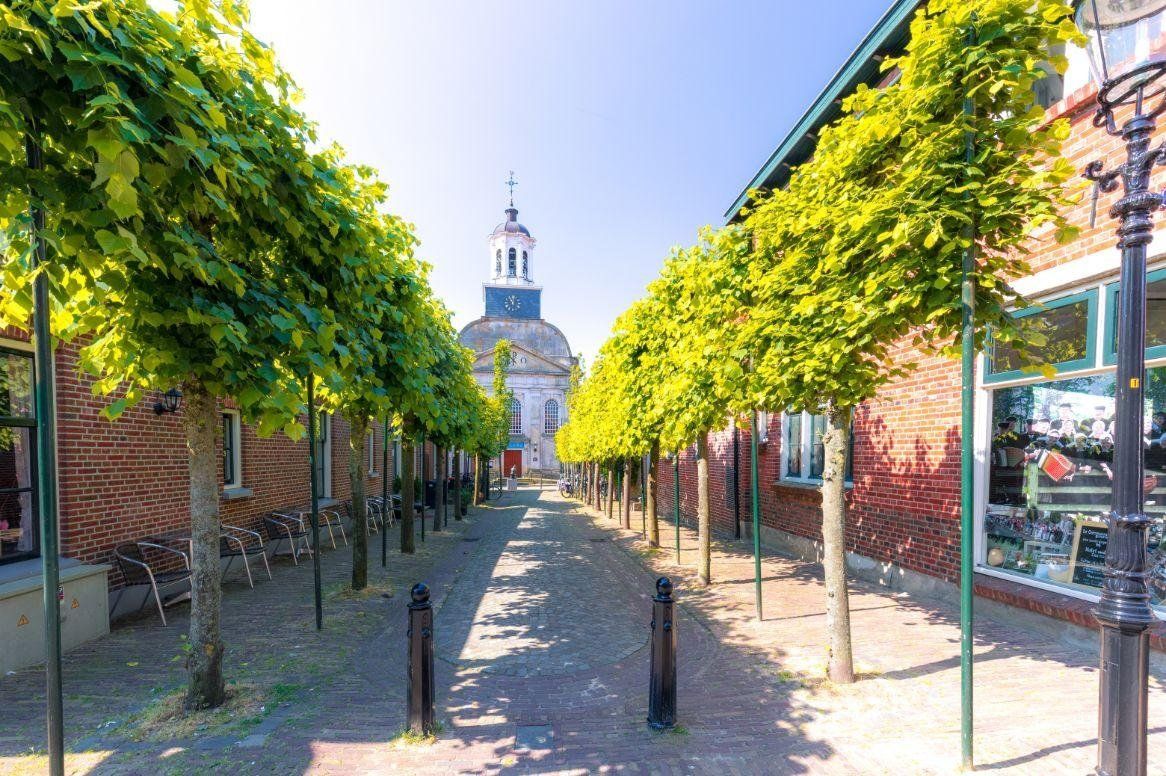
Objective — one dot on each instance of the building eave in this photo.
(888, 37)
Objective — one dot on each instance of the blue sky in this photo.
(628, 124)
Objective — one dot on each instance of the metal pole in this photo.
(386, 505)
(967, 464)
(676, 500)
(315, 502)
(46, 445)
(643, 500)
(419, 695)
(1124, 610)
(754, 499)
(422, 487)
(662, 679)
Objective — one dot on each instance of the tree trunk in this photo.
(610, 489)
(626, 496)
(650, 496)
(841, 662)
(407, 495)
(357, 457)
(205, 659)
(439, 490)
(703, 516)
(596, 494)
(457, 486)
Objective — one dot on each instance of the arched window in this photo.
(510, 265)
(551, 417)
(498, 262)
(525, 266)
(515, 413)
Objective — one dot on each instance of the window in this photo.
(525, 266)
(551, 417)
(1155, 317)
(370, 446)
(19, 535)
(510, 263)
(1049, 481)
(515, 416)
(397, 456)
(803, 452)
(232, 450)
(1066, 326)
(762, 427)
(324, 455)
(498, 262)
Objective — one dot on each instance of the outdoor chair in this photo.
(280, 526)
(136, 569)
(235, 542)
(378, 505)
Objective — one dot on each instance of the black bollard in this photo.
(662, 685)
(419, 696)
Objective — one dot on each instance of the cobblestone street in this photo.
(542, 611)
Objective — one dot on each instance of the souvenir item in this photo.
(1055, 465)
(995, 556)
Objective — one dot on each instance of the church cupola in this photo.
(511, 248)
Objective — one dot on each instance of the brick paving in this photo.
(542, 609)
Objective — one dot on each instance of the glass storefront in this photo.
(1050, 460)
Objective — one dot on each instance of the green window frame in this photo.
(1087, 361)
(1110, 335)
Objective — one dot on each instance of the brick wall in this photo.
(127, 479)
(904, 506)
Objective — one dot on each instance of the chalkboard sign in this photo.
(1088, 557)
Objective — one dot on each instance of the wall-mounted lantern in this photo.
(171, 402)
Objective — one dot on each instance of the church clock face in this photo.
(513, 303)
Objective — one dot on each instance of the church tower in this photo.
(540, 360)
(511, 291)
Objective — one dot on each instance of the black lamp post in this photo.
(1130, 75)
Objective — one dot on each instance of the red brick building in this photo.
(128, 479)
(1037, 533)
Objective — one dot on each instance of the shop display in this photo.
(1049, 485)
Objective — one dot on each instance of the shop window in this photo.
(1155, 317)
(803, 452)
(1050, 480)
(19, 537)
(1067, 326)
(232, 450)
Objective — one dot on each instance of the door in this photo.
(512, 458)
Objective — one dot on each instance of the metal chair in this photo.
(235, 542)
(280, 526)
(136, 570)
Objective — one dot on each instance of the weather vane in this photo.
(511, 183)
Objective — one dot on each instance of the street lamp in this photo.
(1123, 49)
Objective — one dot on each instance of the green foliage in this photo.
(864, 247)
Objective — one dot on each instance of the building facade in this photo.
(541, 359)
(127, 480)
(1043, 444)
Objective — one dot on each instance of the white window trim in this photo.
(325, 422)
(807, 446)
(237, 448)
(370, 444)
(762, 426)
(1094, 271)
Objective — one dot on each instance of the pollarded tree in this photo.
(864, 248)
(700, 295)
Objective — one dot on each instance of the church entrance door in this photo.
(512, 458)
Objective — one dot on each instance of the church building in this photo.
(541, 362)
